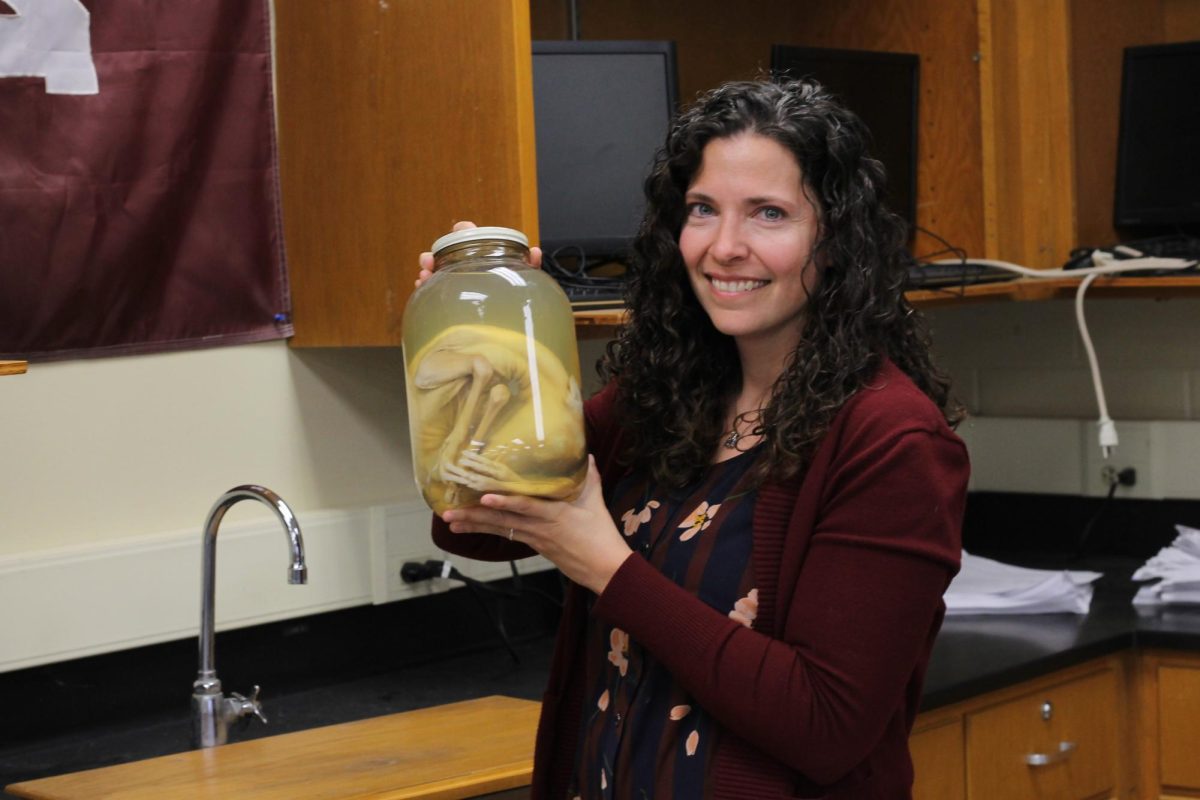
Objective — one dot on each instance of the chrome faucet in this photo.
(212, 711)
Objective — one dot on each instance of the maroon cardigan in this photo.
(818, 698)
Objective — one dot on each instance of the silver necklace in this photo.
(735, 436)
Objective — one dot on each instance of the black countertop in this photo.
(972, 655)
(980, 653)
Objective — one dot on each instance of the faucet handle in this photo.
(245, 706)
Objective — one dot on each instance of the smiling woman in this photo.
(759, 555)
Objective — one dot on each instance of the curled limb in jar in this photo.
(488, 424)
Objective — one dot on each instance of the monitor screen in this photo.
(1158, 151)
(881, 88)
(601, 111)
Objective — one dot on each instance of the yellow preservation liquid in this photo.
(492, 376)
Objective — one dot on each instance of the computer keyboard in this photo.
(964, 273)
(596, 297)
(583, 288)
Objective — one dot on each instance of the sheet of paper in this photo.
(1174, 570)
(986, 586)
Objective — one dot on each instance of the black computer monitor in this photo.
(881, 88)
(602, 110)
(1158, 150)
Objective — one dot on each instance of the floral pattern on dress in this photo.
(618, 653)
(631, 519)
(698, 520)
(699, 536)
(745, 610)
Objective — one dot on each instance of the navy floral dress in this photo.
(642, 736)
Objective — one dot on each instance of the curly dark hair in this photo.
(676, 374)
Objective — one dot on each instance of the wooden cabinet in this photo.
(1167, 721)
(1018, 106)
(396, 118)
(995, 170)
(939, 757)
(1060, 737)
(1058, 741)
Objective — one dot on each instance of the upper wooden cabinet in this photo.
(1018, 98)
(396, 118)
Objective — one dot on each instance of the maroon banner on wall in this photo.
(145, 216)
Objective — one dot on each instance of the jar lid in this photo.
(476, 234)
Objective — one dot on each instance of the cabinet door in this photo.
(1179, 727)
(937, 754)
(1060, 743)
(395, 119)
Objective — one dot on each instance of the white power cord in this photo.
(1105, 264)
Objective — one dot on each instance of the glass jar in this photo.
(492, 374)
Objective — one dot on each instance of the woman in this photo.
(774, 505)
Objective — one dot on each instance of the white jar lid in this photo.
(474, 234)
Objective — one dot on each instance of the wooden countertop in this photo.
(604, 323)
(458, 750)
(12, 367)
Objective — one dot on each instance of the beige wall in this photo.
(1027, 360)
(106, 449)
(109, 467)
(1022, 371)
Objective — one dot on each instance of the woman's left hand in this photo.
(579, 536)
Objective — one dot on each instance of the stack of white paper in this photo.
(984, 586)
(1176, 569)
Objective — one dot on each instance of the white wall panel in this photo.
(1024, 455)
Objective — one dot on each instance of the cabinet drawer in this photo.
(1061, 742)
(1179, 726)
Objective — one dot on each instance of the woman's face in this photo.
(748, 239)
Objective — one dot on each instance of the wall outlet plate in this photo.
(1135, 448)
(400, 533)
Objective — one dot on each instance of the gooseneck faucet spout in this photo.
(212, 712)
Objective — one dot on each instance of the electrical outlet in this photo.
(400, 533)
(1123, 477)
(1136, 450)
(1108, 475)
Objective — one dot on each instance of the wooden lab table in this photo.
(458, 750)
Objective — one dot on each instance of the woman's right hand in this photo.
(425, 260)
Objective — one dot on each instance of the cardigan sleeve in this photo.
(859, 624)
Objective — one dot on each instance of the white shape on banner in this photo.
(49, 39)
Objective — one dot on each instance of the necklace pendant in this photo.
(732, 440)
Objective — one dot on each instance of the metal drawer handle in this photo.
(1042, 759)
